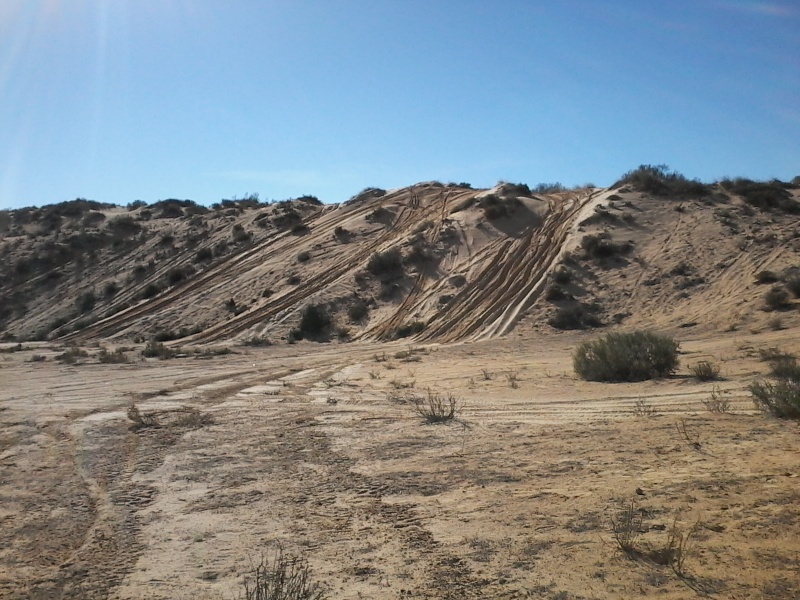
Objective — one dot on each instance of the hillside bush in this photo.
(602, 246)
(777, 298)
(315, 320)
(634, 356)
(409, 329)
(386, 265)
(659, 180)
(358, 311)
(769, 195)
(780, 396)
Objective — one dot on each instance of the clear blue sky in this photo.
(118, 100)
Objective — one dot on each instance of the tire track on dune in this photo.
(493, 302)
(127, 317)
(405, 218)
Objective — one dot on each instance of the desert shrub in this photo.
(154, 349)
(554, 293)
(366, 194)
(203, 255)
(299, 229)
(284, 577)
(549, 188)
(435, 407)
(136, 204)
(574, 317)
(634, 356)
(240, 234)
(151, 290)
(304, 256)
(763, 277)
(86, 301)
(358, 311)
(123, 226)
(72, 355)
(659, 180)
(777, 298)
(116, 357)
(705, 371)
(386, 265)
(314, 321)
(177, 274)
(562, 276)
(770, 195)
(110, 289)
(287, 219)
(602, 246)
(341, 234)
(495, 207)
(781, 396)
(792, 283)
(309, 199)
(409, 329)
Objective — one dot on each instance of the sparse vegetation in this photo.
(779, 395)
(634, 356)
(705, 371)
(315, 322)
(284, 577)
(409, 329)
(659, 180)
(116, 357)
(358, 310)
(777, 298)
(770, 195)
(496, 207)
(386, 265)
(72, 355)
(155, 349)
(601, 245)
(435, 407)
(718, 402)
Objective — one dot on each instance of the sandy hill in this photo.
(431, 262)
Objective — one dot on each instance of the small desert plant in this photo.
(386, 265)
(766, 277)
(304, 256)
(602, 246)
(116, 357)
(690, 437)
(777, 298)
(717, 403)
(513, 379)
(634, 356)
(409, 329)
(780, 397)
(486, 375)
(437, 408)
(792, 282)
(626, 527)
(155, 349)
(284, 577)
(705, 371)
(192, 418)
(315, 320)
(141, 420)
(72, 355)
(358, 311)
(642, 408)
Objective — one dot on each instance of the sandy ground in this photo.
(315, 449)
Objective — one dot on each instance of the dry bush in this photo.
(777, 298)
(437, 408)
(781, 396)
(705, 371)
(284, 577)
(112, 358)
(72, 355)
(193, 419)
(717, 403)
(155, 349)
(626, 527)
(642, 408)
(141, 420)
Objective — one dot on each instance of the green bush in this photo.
(765, 195)
(634, 356)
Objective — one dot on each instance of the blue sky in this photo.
(119, 100)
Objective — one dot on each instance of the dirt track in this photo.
(313, 448)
